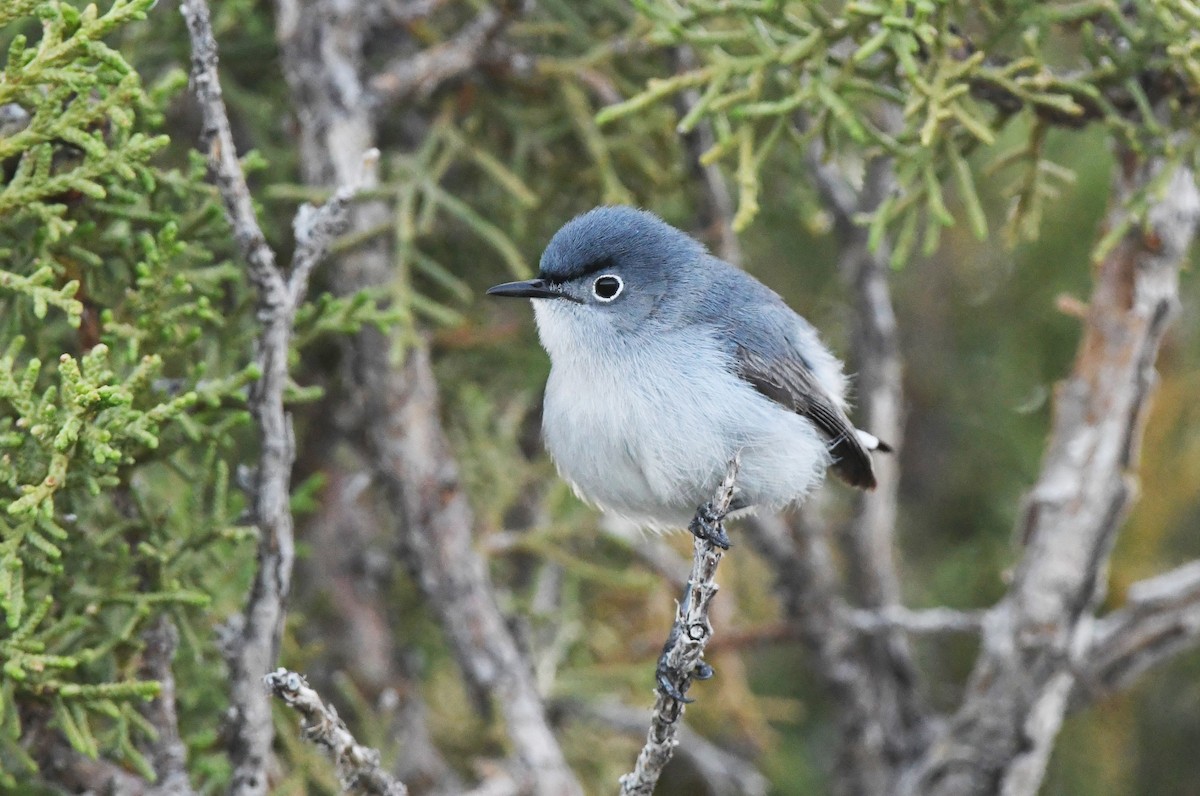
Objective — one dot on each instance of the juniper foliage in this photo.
(929, 84)
(125, 352)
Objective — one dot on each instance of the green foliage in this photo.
(69, 102)
(118, 397)
(929, 83)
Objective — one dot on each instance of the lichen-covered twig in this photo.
(358, 767)
(683, 657)
(255, 644)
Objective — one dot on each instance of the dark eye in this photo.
(607, 287)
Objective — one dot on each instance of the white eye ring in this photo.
(607, 298)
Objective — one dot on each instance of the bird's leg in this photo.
(664, 673)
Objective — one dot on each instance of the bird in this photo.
(666, 362)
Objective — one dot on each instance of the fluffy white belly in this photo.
(648, 436)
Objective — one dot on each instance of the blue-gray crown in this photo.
(605, 236)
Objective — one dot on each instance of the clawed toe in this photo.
(707, 525)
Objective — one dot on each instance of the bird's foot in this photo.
(665, 676)
(709, 525)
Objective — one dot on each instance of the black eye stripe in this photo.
(597, 265)
(561, 275)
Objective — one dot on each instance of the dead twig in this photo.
(358, 767)
(682, 660)
(252, 653)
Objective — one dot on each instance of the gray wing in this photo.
(790, 382)
(767, 344)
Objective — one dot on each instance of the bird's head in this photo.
(608, 272)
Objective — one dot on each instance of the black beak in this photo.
(530, 288)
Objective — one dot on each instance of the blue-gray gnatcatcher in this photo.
(666, 362)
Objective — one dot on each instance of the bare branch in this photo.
(316, 227)
(421, 74)
(167, 752)
(1160, 618)
(216, 139)
(254, 652)
(421, 481)
(397, 422)
(809, 586)
(683, 656)
(723, 773)
(901, 711)
(895, 724)
(928, 621)
(358, 767)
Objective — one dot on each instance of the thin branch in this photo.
(1160, 619)
(395, 418)
(420, 479)
(809, 585)
(167, 752)
(216, 139)
(424, 72)
(723, 772)
(896, 723)
(254, 651)
(315, 228)
(927, 621)
(683, 656)
(358, 767)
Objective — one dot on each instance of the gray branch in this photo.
(166, 752)
(1160, 618)
(887, 717)
(396, 419)
(1000, 738)
(424, 72)
(254, 651)
(724, 773)
(928, 621)
(421, 480)
(358, 767)
(684, 652)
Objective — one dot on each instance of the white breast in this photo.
(646, 428)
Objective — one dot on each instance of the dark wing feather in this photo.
(791, 383)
